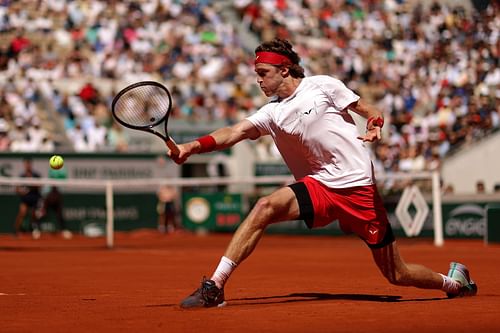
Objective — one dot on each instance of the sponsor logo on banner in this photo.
(412, 225)
(466, 220)
(198, 209)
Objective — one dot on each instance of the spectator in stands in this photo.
(97, 136)
(78, 137)
(480, 189)
(6, 111)
(89, 93)
(4, 57)
(47, 145)
(64, 108)
(23, 144)
(19, 43)
(37, 133)
(18, 132)
(448, 189)
(117, 138)
(4, 137)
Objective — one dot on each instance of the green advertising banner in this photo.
(223, 212)
(460, 219)
(131, 211)
(212, 211)
(464, 220)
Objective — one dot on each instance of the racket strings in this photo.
(143, 106)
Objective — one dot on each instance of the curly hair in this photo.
(284, 47)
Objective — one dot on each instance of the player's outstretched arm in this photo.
(219, 139)
(374, 123)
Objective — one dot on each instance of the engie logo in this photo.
(466, 221)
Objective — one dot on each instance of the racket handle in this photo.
(172, 146)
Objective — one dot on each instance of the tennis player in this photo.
(308, 119)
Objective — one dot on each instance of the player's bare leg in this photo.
(396, 271)
(279, 206)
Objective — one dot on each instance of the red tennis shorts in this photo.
(359, 210)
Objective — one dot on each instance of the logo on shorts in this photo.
(372, 231)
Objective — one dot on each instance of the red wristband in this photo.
(207, 143)
(375, 121)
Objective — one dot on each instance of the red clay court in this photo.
(289, 284)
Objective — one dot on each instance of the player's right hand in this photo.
(185, 150)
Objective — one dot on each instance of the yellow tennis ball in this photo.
(56, 162)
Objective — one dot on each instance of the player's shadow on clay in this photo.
(314, 297)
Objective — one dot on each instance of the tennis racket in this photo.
(143, 106)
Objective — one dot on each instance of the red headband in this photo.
(271, 58)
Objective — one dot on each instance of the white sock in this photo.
(223, 271)
(449, 285)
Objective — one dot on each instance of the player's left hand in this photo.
(372, 134)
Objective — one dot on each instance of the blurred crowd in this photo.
(50, 45)
(433, 69)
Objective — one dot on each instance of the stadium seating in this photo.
(432, 69)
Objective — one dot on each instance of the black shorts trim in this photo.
(388, 239)
(305, 203)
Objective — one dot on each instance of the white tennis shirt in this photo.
(316, 135)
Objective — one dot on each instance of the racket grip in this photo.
(172, 146)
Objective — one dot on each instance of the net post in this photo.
(436, 204)
(109, 215)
